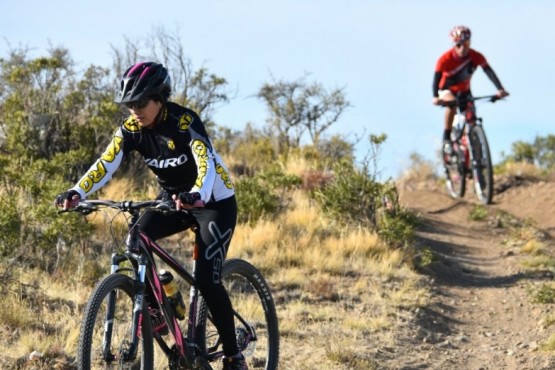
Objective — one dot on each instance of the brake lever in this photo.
(86, 212)
(83, 208)
(168, 205)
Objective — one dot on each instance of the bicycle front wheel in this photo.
(455, 175)
(482, 169)
(107, 325)
(256, 323)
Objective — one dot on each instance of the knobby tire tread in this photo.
(251, 273)
(99, 294)
(482, 142)
(456, 189)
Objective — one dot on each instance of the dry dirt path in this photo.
(480, 316)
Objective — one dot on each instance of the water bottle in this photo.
(173, 293)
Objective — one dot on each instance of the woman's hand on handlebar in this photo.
(67, 200)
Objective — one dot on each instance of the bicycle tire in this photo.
(455, 175)
(89, 353)
(482, 169)
(251, 299)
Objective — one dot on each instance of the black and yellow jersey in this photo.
(177, 149)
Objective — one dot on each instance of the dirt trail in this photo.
(480, 316)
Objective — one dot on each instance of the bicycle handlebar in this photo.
(88, 206)
(491, 98)
(454, 103)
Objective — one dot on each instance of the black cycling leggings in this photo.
(216, 223)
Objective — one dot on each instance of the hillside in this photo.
(482, 301)
(481, 314)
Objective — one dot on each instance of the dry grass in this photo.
(40, 313)
(334, 289)
(419, 171)
(521, 169)
(533, 247)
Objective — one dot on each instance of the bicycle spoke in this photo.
(455, 178)
(93, 352)
(111, 323)
(121, 330)
(255, 319)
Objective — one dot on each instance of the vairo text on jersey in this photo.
(165, 163)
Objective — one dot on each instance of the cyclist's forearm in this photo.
(205, 168)
(493, 77)
(435, 84)
(102, 170)
(96, 177)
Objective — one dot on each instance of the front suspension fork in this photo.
(138, 299)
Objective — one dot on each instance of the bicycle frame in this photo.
(462, 128)
(140, 248)
(118, 336)
(471, 150)
(137, 243)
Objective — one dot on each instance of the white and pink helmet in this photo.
(460, 34)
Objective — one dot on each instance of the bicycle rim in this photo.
(455, 178)
(91, 338)
(482, 169)
(251, 299)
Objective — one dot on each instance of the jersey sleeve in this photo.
(478, 59)
(206, 170)
(102, 170)
(440, 63)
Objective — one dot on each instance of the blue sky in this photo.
(381, 52)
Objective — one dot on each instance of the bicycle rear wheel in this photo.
(482, 169)
(255, 316)
(112, 302)
(455, 175)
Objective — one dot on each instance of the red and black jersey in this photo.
(455, 72)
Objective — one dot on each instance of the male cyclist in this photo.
(452, 75)
(175, 146)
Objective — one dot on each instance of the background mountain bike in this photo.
(471, 156)
(129, 309)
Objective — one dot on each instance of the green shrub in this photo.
(397, 227)
(277, 180)
(10, 224)
(353, 197)
(424, 258)
(350, 196)
(254, 200)
(545, 294)
(264, 194)
(478, 213)
(28, 219)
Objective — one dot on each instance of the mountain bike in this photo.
(471, 156)
(129, 309)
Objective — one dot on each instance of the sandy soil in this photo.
(481, 315)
